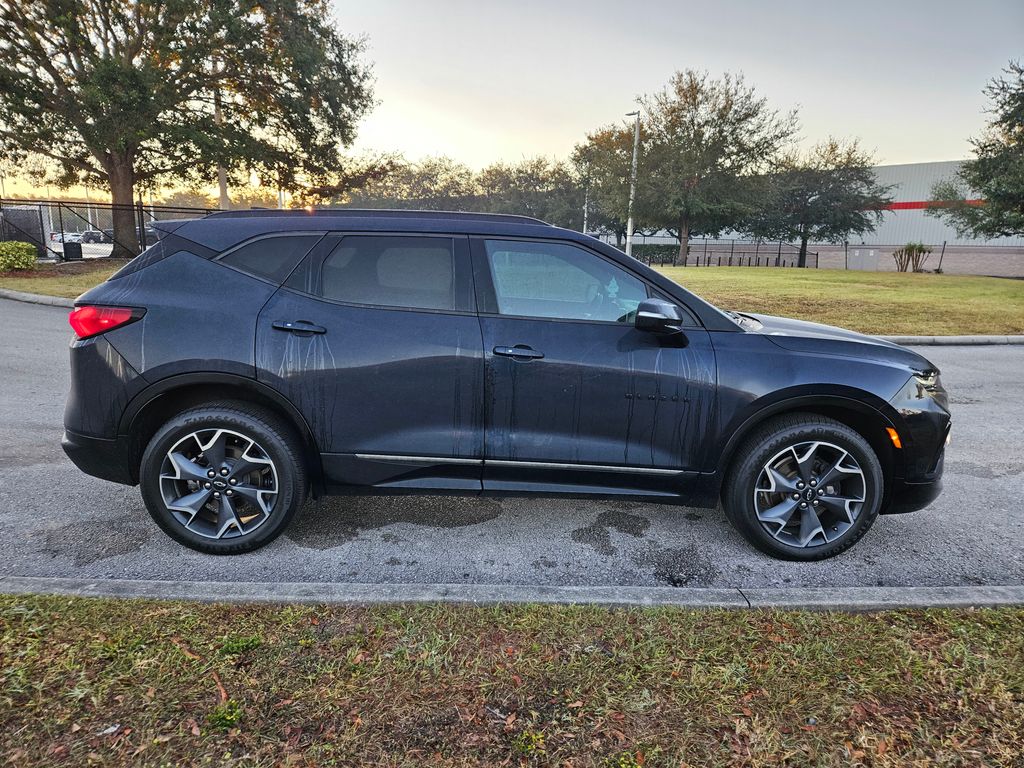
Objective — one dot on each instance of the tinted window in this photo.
(271, 257)
(415, 272)
(561, 281)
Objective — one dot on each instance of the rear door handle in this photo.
(301, 327)
(519, 352)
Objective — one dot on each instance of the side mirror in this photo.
(659, 316)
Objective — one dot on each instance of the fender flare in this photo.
(795, 403)
(165, 386)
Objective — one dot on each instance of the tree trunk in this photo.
(122, 187)
(684, 240)
(803, 251)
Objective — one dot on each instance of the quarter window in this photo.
(559, 280)
(411, 272)
(271, 257)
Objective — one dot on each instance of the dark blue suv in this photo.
(249, 359)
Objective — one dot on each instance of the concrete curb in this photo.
(907, 341)
(952, 341)
(36, 298)
(840, 598)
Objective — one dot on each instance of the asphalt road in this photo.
(56, 521)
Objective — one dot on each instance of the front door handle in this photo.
(519, 352)
(301, 327)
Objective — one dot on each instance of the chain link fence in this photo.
(69, 231)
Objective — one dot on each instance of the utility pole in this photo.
(632, 182)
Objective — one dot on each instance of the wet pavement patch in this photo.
(598, 533)
(681, 566)
(91, 540)
(333, 521)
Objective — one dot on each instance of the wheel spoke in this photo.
(836, 471)
(216, 448)
(780, 482)
(805, 463)
(191, 502)
(810, 526)
(780, 513)
(185, 468)
(840, 505)
(254, 495)
(227, 516)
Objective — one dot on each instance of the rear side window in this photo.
(409, 272)
(272, 258)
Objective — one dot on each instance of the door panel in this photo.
(602, 394)
(579, 400)
(393, 396)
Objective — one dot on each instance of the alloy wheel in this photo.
(810, 494)
(218, 483)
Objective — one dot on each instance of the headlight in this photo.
(929, 384)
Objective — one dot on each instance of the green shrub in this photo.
(17, 255)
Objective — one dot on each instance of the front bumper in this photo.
(99, 457)
(912, 496)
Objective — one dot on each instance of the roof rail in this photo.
(393, 213)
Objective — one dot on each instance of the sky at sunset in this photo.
(487, 81)
(482, 81)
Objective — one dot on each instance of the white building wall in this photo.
(912, 183)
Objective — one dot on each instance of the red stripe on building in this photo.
(920, 205)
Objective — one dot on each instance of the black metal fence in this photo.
(71, 230)
(707, 252)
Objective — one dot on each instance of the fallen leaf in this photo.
(221, 691)
(184, 649)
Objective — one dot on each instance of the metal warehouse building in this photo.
(907, 219)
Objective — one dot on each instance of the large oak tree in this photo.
(124, 93)
(707, 136)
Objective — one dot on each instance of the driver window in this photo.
(562, 281)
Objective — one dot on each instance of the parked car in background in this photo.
(92, 236)
(152, 235)
(254, 357)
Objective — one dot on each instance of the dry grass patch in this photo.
(870, 302)
(105, 682)
(66, 280)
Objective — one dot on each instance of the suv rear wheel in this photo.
(223, 478)
(804, 487)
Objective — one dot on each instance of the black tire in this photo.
(794, 432)
(277, 451)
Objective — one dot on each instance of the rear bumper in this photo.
(99, 457)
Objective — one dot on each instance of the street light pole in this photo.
(632, 182)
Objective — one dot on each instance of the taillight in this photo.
(88, 321)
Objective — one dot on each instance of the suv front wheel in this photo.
(223, 478)
(804, 487)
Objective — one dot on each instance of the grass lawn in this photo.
(67, 280)
(105, 682)
(871, 302)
